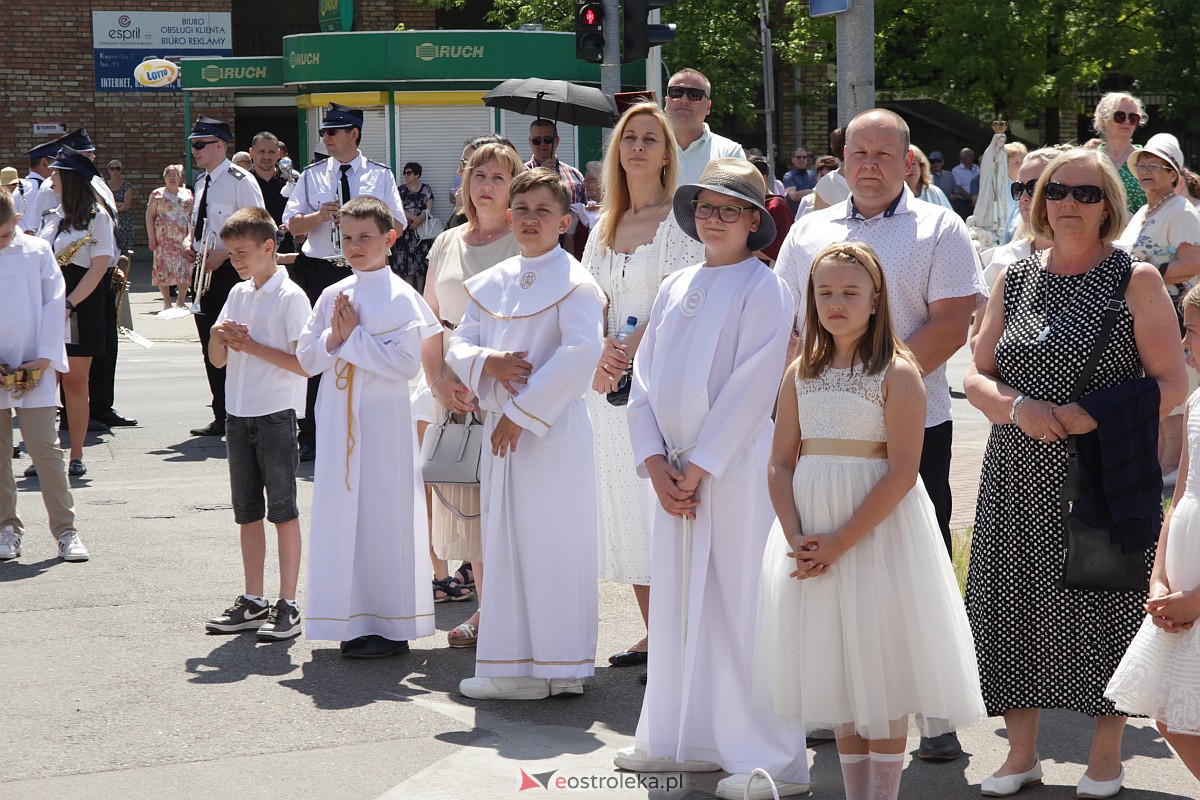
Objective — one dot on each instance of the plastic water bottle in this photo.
(621, 396)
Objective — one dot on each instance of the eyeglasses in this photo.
(114, 168)
(1087, 194)
(1017, 188)
(540, 140)
(1149, 166)
(200, 144)
(727, 214)
(1120, 117)
(409, 172)
(679, 92)
(330, 131)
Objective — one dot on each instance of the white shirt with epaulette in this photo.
(319, 184)
(228, 189)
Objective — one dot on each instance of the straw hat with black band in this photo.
(734, 177)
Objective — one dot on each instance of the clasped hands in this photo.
(1047, 422)
(676, 490)
(1174, 612)
(613, 363)
(509, 369)
(342, 321)
(232, 335)
(815, 554)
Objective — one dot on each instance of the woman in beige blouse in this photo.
(457, 254)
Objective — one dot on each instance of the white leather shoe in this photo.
(566, 686)
(1098, 789)
(1011, 784)
(734, 788)
(636, 761)
(505, 688)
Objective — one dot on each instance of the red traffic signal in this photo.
(589, 31)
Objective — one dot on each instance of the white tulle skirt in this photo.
(882, 640)
(1159, 676)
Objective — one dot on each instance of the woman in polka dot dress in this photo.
(1159, 676)
(1040, 646)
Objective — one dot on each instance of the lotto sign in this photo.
(156, 73)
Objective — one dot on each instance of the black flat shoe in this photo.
(346, 646)
(940, 748)
(629, 658)
(115, 420)
(374, 647)
(213, 428)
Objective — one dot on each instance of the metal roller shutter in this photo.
(433, 136)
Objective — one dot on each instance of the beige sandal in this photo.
(468, 635)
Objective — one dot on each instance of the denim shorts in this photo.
(263, 456)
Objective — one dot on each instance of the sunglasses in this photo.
(409, 172)
(114, 169)
(1088, 195)
(540, 140)
(331, 131)
(1120, 117)
(727, 214)
(200, 144)
(679, 92)
(1017, 188)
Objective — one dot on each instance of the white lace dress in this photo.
(884, 633)
(1159, 676)
(631, 283)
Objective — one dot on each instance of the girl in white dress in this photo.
(861, 626)
(636, 244)
(1159, 676)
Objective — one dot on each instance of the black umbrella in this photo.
(561, 101)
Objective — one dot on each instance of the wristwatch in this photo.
(70, 306)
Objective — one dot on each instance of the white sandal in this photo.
(468, 635)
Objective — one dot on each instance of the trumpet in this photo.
(335, 233)
(19, 381)
(200, 276)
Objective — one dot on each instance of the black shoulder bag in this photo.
(1091, 560)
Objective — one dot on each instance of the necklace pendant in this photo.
(1044, 335)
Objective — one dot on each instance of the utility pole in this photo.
(610, 68)
(768, 81)
(855, 60)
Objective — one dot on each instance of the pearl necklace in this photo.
(1150, 211)
(480, 242)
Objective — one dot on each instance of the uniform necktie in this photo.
(345, 168)
(201, 210)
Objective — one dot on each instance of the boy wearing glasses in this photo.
(704, 384)
(688, 103)
(312, 211)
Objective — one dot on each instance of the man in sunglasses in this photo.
(798, 182)
(312, 210)
(221, 190)
(934, 284)
(543, 142)
(942, 178)
(687, 105)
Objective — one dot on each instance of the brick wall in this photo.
(385, 15)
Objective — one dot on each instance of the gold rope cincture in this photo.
(520, 316)
(345, 382)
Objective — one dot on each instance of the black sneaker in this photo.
(243, 615)
(284, 624)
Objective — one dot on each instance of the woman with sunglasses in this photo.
(411, 249)
(123, 193)
(1117, 116)
(1040, 645)
(635, 245)
(1165, 233)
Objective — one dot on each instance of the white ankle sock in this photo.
(886, 769)
(856, 775)
(253, 598)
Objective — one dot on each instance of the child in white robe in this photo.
(704, 381)
(32, 350)
(527, 347)
(368, 555)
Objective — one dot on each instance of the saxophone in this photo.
(64, 256)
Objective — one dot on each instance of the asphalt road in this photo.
(111, 688)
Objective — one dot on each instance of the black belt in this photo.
(449, 325)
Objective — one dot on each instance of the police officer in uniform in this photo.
(221, 190)
(25, 193)
(312, 210)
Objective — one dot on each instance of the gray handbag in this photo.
(450, 455)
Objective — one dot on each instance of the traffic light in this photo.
(589, 31)
(637, 35)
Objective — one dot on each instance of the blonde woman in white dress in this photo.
(636, 244)
(457, 254)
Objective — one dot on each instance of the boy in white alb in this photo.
(254, 337)
(527, 347)
(704, 383)
(368, 559)
(32, 350)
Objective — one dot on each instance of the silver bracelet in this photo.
(1016, 407)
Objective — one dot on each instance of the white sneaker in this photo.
(734, 788)
(10, 543)
(505, 688)
(634, 760)
(70, 548)
(566, 686)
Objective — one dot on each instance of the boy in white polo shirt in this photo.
(255, 337)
